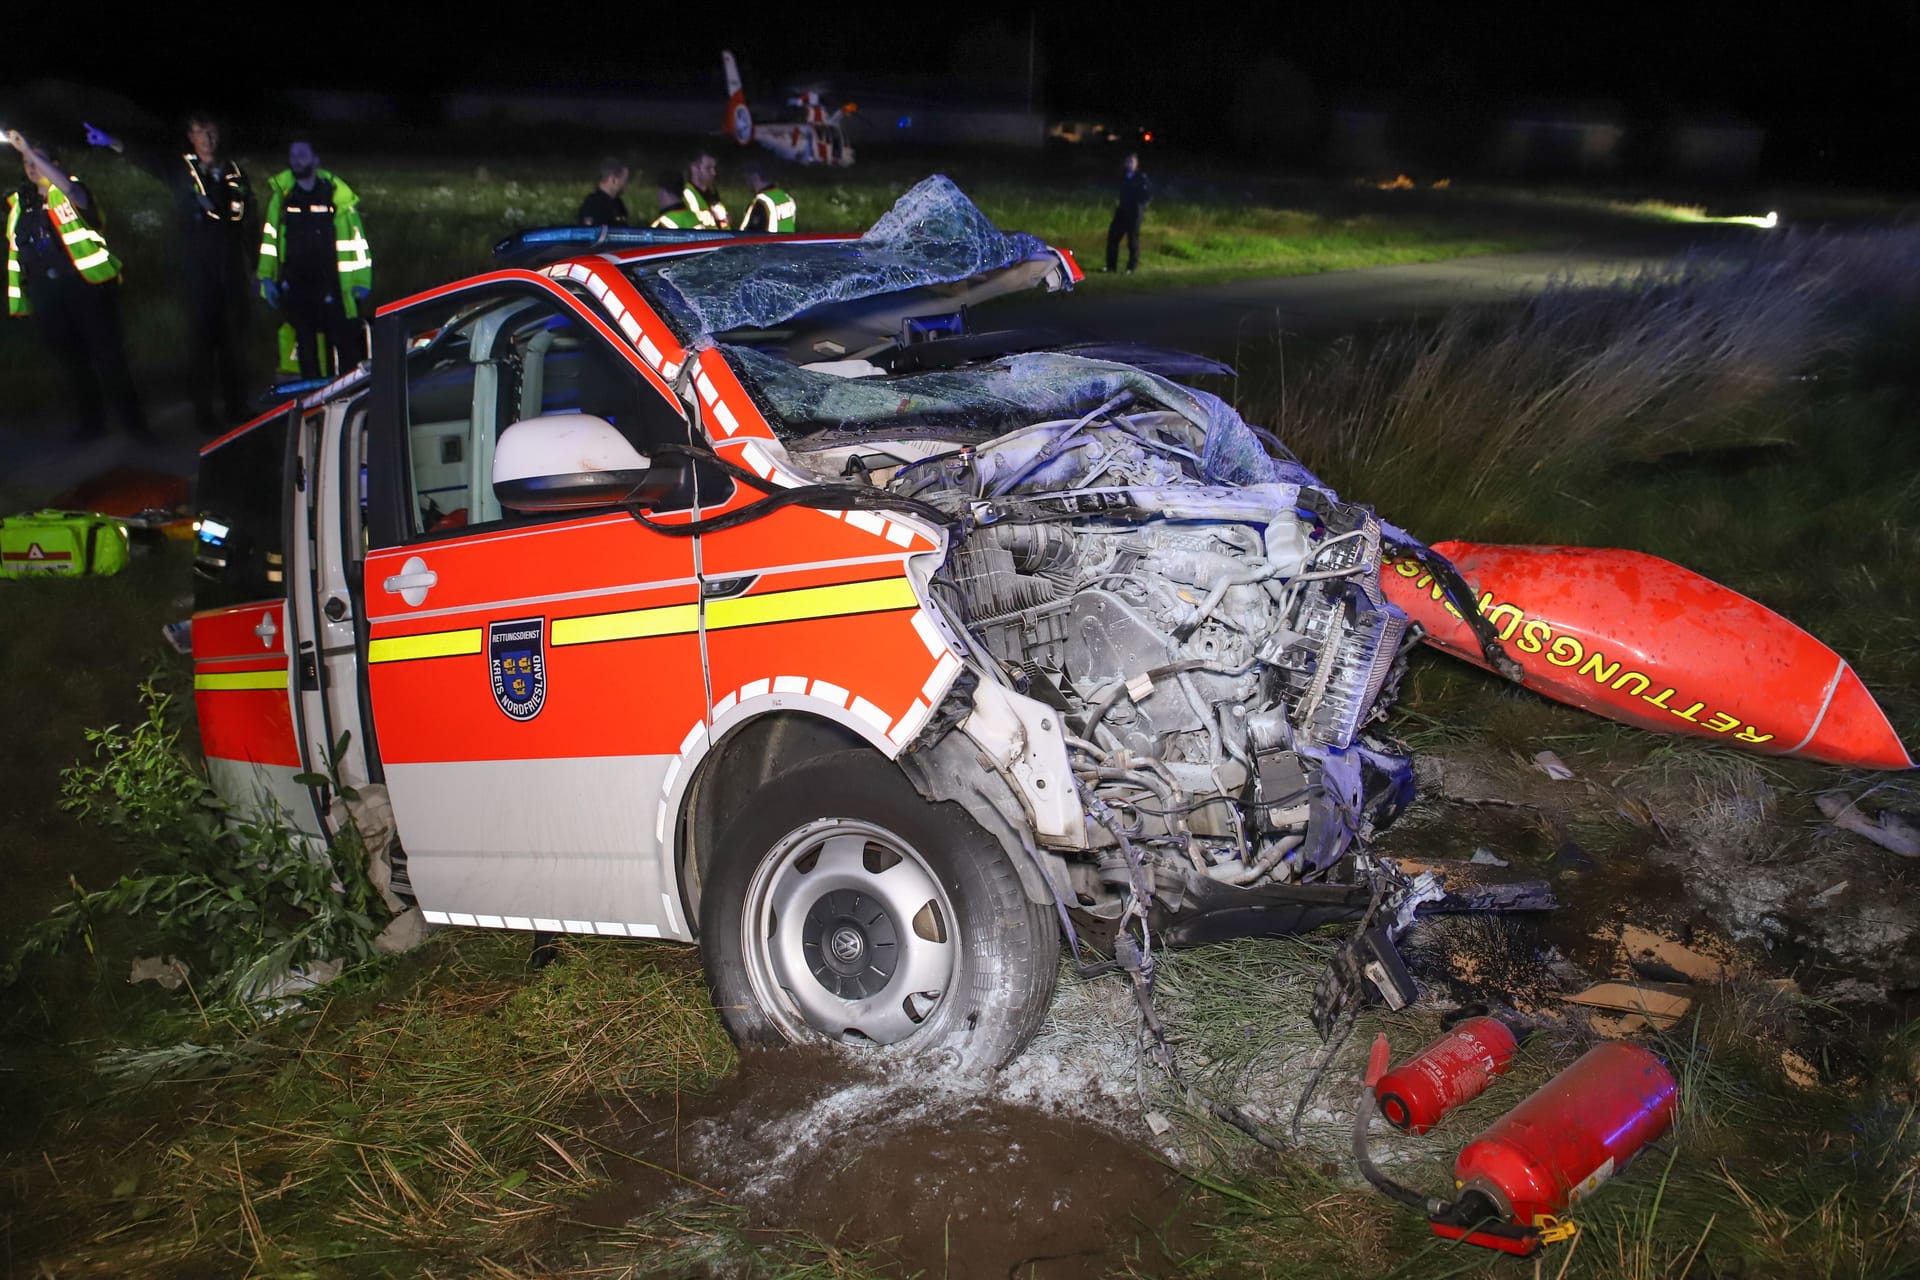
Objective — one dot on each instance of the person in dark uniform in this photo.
(603, 206)
(1135, 194)
(218, 226)
(60, 272)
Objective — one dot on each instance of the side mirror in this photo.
(569, 461)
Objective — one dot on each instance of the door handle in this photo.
(335, 608)
(413, 581)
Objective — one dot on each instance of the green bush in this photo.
(240, 896)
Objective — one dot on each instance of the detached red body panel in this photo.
(1644, 641)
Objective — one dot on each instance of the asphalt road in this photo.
(1221, 320)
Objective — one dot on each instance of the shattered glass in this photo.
(932, 235)
(1005, 395)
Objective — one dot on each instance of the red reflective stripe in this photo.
(245, 427)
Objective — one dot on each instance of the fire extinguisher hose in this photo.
(1377, 1058)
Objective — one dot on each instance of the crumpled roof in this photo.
(1009, 393)
(932, 235)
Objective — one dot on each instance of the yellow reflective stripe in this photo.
(273, 232)
(435, 644)
(229, 681)
(840, 599)
(268, 251)
(632, 624)
(93, 259)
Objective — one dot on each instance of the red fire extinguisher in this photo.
(1517, 1180)
(1454, 1069)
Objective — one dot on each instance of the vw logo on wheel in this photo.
(847, 944)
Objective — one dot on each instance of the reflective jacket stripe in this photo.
(709, 215)
(779, 207)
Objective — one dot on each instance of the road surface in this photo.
(1222, 319)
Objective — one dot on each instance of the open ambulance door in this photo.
(244, 677)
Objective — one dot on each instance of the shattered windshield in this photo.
(932, 235)
(995, 398)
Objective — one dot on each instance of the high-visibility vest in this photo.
(711, 213)
(684, 219)
(86, 247)
(777, 209)
(352, 255)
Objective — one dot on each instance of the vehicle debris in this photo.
(168, 971)
(1553, 766)
(1661, 1007)
(1889, 830)
(1707, 661)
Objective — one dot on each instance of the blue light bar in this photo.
(559, 242)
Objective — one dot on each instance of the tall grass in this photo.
(1441, 424)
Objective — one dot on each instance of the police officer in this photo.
(1135, 194)
(772, 208)
(673, 207)
(603, 206)
(215, 213)
(315, 263)
(701, 196)
(61, 272)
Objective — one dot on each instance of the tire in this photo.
(839, 906)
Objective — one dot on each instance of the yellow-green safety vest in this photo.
(85, 246)
(708, 215)
(685, 219)
(779, 207)
(352, 254)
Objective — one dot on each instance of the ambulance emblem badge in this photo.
(517, 665)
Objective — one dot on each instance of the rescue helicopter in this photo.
(806, 133)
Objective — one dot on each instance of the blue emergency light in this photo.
(553, 243)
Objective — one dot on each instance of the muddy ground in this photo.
(1069, 1165)
(957, 1182)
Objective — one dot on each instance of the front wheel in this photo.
(840, 905)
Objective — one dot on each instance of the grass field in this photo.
(430, 221)
(445, 1113)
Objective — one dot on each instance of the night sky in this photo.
(1828, 78)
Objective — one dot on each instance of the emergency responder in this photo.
(772, 208)
(315, 263)
(700, 194)
(673, 209)
(603, 206)
(215, 213)
(1135, 194)
(61, 272)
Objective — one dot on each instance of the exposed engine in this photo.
(1216, 651)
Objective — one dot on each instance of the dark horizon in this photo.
(1829, 88)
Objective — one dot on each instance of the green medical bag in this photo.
(61, 542)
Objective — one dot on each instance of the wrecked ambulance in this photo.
(736, 591)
